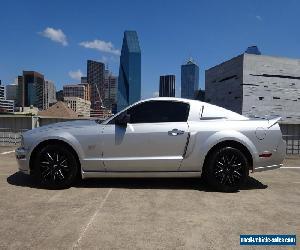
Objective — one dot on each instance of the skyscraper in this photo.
(34, 90)
(11, 91)
(129, 82)
(20, 93)
(189, 79)
(30, 89)
(49, 94)
(167, 86)
(95, 77)
(110, 89)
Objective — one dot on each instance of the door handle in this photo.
(175, 132)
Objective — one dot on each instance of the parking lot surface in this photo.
(145, 213)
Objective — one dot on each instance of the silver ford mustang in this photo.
(158, 137)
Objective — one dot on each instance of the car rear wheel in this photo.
(55, 167)
(227, 169)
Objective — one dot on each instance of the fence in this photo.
(9, 137)
(292, 144)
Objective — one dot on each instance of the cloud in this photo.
(76, 75)
(104, 59)
(100, 45)
(259, 18)
(110, 59)
(56, 35)
(156, 94)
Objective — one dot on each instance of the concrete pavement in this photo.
(144, 213)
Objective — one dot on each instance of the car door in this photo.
(153, 140)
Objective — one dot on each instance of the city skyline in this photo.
(76, 40)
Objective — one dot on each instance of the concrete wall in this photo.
(271, 86)
(223, 84)
(11, 126)
(19, 123)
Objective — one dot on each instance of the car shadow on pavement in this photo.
(20, 179)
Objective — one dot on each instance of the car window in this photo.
(158, 111)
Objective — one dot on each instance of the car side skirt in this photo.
(175, 174)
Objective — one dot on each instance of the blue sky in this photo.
(169, 33)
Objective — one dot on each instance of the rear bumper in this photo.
(22, 159)
(273, 162)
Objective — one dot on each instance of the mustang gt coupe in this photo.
(158, 137)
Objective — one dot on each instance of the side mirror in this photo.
(122, 119)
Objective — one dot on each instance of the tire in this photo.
(227, 169)
(55, 167)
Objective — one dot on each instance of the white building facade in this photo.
(80, 106)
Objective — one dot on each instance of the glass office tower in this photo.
(167, 86)
(129, 81)
(30, 89)
(189, 80)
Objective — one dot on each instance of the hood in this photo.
(63, 125)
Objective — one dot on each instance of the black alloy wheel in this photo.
(228, 169)
(55, 167)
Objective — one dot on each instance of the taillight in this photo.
(265, 154)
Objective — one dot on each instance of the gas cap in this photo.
(260, 133)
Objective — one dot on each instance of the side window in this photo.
(158, 111)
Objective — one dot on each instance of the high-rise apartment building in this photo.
(5, 105)
(129, 81)
(189, 79)
(110, 89)
(81, 90)
(95, 77)
(2, 91)
(49, 94)
(167, 86)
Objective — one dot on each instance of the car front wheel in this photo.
(55, 167)
(227, 169)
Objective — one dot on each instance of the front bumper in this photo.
(23, 160)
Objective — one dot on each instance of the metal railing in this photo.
(292, 144)
(10, 137)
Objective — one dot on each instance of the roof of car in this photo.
(210, 111)
(172, 99)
